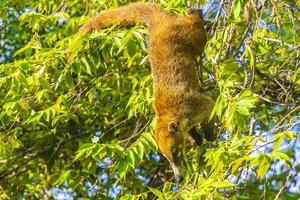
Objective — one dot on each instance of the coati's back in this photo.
(174, 42)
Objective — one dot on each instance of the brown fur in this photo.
(174, 44)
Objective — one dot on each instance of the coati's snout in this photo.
(171, 143)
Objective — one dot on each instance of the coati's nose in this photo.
(176, 172)
(178, 178)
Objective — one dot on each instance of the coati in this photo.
(174, 44)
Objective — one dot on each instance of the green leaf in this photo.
(167, 187)
(140, 150)
(151, 141)
(127, 197)
(125, 41)
(83, 150)
(86, 65)
(69, 79)
(247, 102)
(34, 119)
(91, 93)
(279, 137)
(158, 193)
(75, 118)
(46, 115)
(243, 110)
(65, 174)
(44, 84)
(282, 156)
(203, 2)
(277, 142)
(131, 47)
(131, 159)
(263, 165)
(123, 167)
(119, 150)
(230, 116)
(75, 46)
(33, 44)
(237, 7)
(223, 184)
(237, 163)
(290, 135)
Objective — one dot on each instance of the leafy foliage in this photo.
(75, 113)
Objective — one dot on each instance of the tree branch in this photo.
(9, 23)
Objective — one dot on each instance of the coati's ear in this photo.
(173, 127)
(196, 11)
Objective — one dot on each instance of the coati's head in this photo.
(171, 143)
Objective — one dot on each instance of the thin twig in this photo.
(213, 29)
(252, 125)
(282, 120)
(269, 101)
(286, 180)
(9, 23)
(281, 86)
(62, 4)
(252, 77)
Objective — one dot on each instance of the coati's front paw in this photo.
(198, 138)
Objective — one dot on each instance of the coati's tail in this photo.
(135, 13)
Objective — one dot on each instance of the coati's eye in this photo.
(173, 128)
(175, 153)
